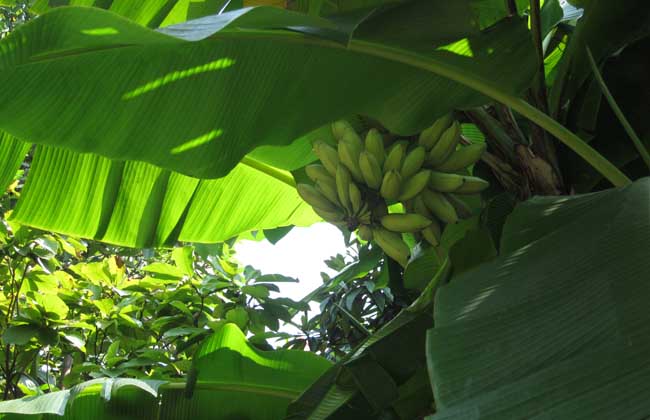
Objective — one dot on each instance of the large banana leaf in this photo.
(557, 327)
(230, 379)
(138, 204)
(197, 107)
(90, 81)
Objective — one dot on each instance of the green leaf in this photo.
(12, 153)
(19, 334)
(183, 257)
(556, 323)
(241, 381)
(53, 306)
(257, 291)
(475, 248)
(238, 316)
(630, 17)
(151, 71)
(137, 204)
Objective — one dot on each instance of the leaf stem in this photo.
(617, 111)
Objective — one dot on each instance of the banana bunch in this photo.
(356, 180)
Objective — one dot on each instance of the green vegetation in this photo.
(485, 160)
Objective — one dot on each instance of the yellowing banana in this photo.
(462, 158)
(370, 170)
(349, 156)
(375, 145)
(444, 182)
(413, 162)
(429, 137)
(365, 232)
(445, 146)
(414, 185)
(315, 199)
(339, 128)
(355, 198)
(394, 157)
(343, 181)
(391, 185)
(472, 185)
(405, 222)
(392, 244)
(440, 206)
(327, 155)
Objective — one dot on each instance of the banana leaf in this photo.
(556, 326)
(229, 379)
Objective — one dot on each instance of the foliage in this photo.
(198, 131)
(72, 310)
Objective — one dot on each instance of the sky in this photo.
(300, 254)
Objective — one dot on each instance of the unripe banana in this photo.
(381, 209)
(440, 206)
(315, 199)
(316, 172)
(355, 198)
(392, 244)
(343, 181)
(339, 128)
(391, 185)
(432, 233)
(445, 146)
(430, 136)
(334, 217)
(414, 185)
(420, 208)
(405, 222)
(349, 156)
(395, 156)
(328, 189)
(444, 182)
(370, 170)
(327, 155)
(413, 162)
(365, 232)
(472, 185)
(463, 158)
(375, 145)
(365, 216)
(462, 209)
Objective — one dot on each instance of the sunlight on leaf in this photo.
(174, 76)
(100, 31)
(197, 142)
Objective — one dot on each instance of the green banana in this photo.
(414, 185)
(463, 158)
(328, 189)
(420, 208)
(445, 146)
(392, 244)
(432, 233)
(405, 222)
(370, 170)
(343, 181)
(317, 171)
(355, 198)
(334, 217)
(349, 156)
(472, 185)
(440, 206)
(444, 182)
(430, 136)
(395, 156)
(390, 185)
(327, 155)
(413, 162)
(375, 145)
(315, 199)
(365, 233)
(462, 209)
(365, 216)
(339, 128)
(381, 209)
